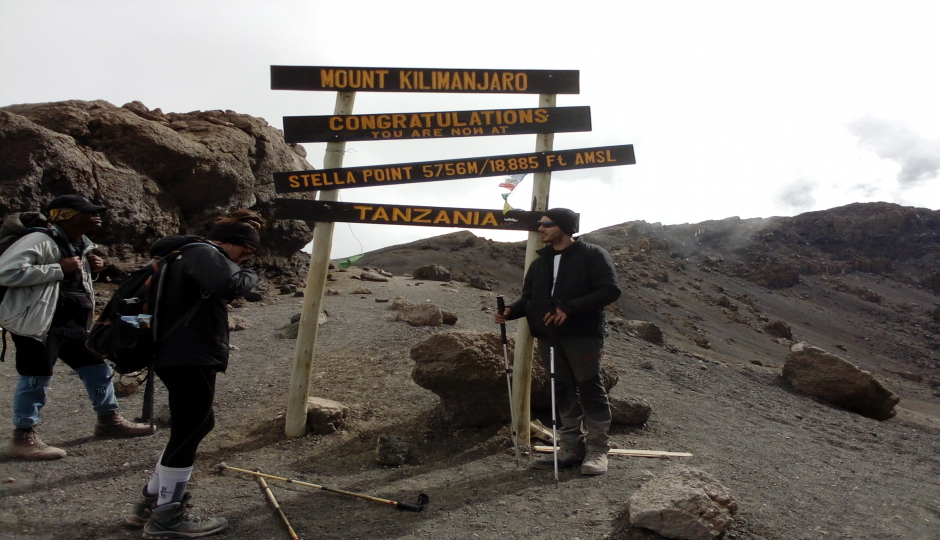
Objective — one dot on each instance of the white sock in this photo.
(153, 487)
(172, 483)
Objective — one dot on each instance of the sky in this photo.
(734, 108)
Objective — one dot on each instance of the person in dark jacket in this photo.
(196, 290)
(563, 298)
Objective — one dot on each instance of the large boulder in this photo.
(158, 174)
(683, 503)
(815, 372)
(466, 369)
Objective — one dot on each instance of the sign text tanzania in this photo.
(454, 169)
(390, 214)
(362, 79)
(432, 125)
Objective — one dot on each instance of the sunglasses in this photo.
(546, 224)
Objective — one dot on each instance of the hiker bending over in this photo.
(197, 288)
(563, 298)
(48, 308)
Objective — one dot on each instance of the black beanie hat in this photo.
(566, 219)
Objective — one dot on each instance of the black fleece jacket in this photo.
(586, 283)
(204, 271)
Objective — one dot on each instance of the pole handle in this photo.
(501, 307)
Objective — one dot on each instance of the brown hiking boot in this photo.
(27, 445)
(143, 508)
(116, 426)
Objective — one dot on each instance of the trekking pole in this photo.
(422, 498)
(501, 306)
(551, 371)
(267, 491)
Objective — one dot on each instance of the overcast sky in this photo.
(734, 108)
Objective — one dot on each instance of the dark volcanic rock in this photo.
(158, 174)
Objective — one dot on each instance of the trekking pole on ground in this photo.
(551, 371)
(267, 491)
(501, 306)
(422, 498)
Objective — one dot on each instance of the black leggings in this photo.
(191, 391)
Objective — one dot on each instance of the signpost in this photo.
(343, 126)
(453, 169)
(435, 125)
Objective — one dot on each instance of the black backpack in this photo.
(125, 333)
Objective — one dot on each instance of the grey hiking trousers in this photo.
(580, 397)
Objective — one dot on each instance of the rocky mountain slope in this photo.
(158, 173)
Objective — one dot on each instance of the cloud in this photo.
(797, 196)
(918, 157)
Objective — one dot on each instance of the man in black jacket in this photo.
(563, 299)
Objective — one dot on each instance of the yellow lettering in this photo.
(421, 218)
(326, 180)
(457, 121)
(455, 85)
(355, 78)
(362, 210)
(440, 80)
(442, 217)
(507, 81)
(366, 173)
(510, 117)
(440, 120)
(484, 86)
(459, 216)
(342, 78)
(490, 219)
(383, 121)
(396, 213)
(404, 83)
(350, 177)
(382, 73)
(478, 131)
(380, 214)
(352, 122)
(395, 174)
(398, 120)
(336, 123)
(421, 84)
(609, 158)
(475, 119)
(541, 116)
(494, 83)
(407, 172)
(578, 160)
(293, 181)
(438, 133)
(415, 121)
(368, 79)
(525, 116)
(469, 80)
(326, 78)
(522, 82)
(367, 122)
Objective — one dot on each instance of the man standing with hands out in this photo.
(563, 299)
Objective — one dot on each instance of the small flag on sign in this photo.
(510, 182)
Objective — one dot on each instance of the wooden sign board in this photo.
(474, 81)
(453, 169)
(435, 125)
(389, 214)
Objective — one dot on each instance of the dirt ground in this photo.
(799, 469)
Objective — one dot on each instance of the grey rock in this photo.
(392, 451)
(683, 503)
(481, 283)
(815, 372)
(324, 416)
(372, 276)
(433, 272)
(630, 411)
(644, 330)
(420, 315)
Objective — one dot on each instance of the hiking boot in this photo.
(144, 507)
(566, 458)
(116, 426)
(27, 445)
(172, 521)
(595, 463)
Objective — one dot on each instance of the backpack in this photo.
(125, 333)
(16, 226)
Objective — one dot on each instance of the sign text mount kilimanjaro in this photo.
(478, 81)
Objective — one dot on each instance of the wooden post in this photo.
(296, 418)
(522, 356)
